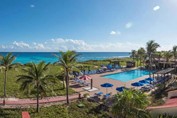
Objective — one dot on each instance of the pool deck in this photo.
(98, 80)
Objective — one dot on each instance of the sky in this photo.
(86, 25)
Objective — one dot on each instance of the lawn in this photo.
(13, 86)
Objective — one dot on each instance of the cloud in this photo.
(32, 6)
(54, 45)
(112, 32)
(115, 33)
(20, 44)
(128, 25)
(39, 46)
(156, 8)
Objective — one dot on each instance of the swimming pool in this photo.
(127, 75)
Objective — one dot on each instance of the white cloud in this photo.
(69, 44)
(20, 44)
(112, 32)
(156, 8)
(39, 46)
(32, 6)
(128, 25)
(115, 33)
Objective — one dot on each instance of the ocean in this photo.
(36, 57)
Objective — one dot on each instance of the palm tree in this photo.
(174, 52)
(68, 61)
(130, 104)
(61, 76)
(159, 55)
(133, 54)
(151, 47)
(141, 54)
(35, 80)
(7, 63)
(168, 55)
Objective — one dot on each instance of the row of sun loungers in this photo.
(102, 69)
(99, 96)
(151, 85)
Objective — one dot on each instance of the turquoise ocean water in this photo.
(25, 57)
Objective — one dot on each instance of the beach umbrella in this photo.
(137, 84)
(120, 89)
(87, 77)
(106, 85)
(144, 81)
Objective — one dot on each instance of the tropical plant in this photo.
(133, 54)
(151, 47)
(130, 104)
(35, 80)
(174, 51)
(7, 63)
(159, 55)
(68, 61)
(141, 54)
(168, 55)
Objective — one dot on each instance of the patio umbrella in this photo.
(137, 84)
(120, 89)
(106, 85)
(144, 81)
(87, 77)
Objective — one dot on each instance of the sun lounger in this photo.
(94, 99)
(99, 71)
(86, 84)
(76, 80)
(144, 89)
(99, 93)
(79, 81)
(106, 96)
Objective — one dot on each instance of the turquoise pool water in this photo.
(127, 75)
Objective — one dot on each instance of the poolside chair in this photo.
(145, 89)
(110, 68)
(98, 71)
(76, 80)
(117, 67)
(94, 99)
(99, 93)
(106, 96)
(86, 84)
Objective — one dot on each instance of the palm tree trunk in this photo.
(67, 86)
(37, 108)
(150, 64)
(64, 83)
(140, 61)
(5, 78)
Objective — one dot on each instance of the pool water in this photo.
(127, 75)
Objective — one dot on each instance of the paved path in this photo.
(25, 102)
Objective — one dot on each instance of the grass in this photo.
(13, 87)
(60, 111)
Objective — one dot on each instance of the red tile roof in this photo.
(169, 103)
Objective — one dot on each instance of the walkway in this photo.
(28, 102)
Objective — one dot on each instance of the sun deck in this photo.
(98, 80)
